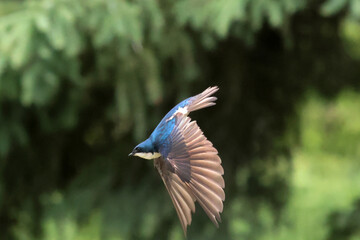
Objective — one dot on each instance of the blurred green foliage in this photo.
(82, 81)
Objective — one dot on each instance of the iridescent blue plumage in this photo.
(160, 136)
(159, 140)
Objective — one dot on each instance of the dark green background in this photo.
(82, 82)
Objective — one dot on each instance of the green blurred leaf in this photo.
(331, 7)
(38, 86)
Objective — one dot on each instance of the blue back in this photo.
(174, 109)
(160, 136)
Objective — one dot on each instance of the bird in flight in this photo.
(187, 162)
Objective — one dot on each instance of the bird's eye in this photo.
(137, 149)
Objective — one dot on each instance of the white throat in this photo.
(148, 156)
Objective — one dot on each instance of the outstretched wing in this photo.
(192, 170)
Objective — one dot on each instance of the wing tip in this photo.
(210, 91)
(203, 99)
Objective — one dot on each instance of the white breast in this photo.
(148, 155)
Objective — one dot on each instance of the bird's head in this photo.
(145, 150)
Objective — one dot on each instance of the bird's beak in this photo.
(131, 154)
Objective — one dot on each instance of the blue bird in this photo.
(187, 162)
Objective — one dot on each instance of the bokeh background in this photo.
(82, 82)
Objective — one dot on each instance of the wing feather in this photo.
(180, 193)
(197, 166)
(203, 99)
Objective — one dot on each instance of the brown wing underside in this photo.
(180, 193)
(202, 180)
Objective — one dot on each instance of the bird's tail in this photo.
(203, 99)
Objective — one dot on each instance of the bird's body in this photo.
(187, 162)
